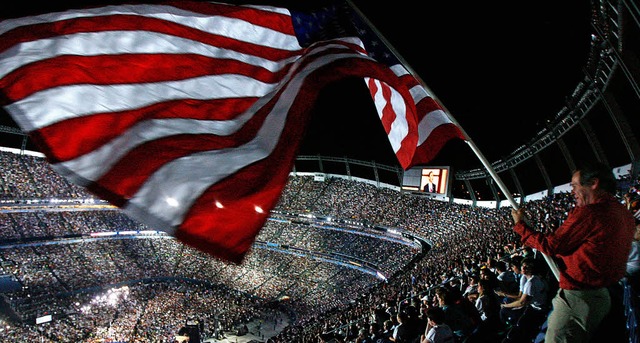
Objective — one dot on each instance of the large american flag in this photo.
(188, 115)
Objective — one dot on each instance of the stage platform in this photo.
(255, 335)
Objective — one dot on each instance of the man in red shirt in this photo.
(591, 248)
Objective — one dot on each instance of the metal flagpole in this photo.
(552, 264)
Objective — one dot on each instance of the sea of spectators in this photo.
(160, 283)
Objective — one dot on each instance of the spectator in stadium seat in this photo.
(472, 285)
(387, 331)
(488, 305)
(491, 264)
(380, 315)
(421, 322)
(376, 335)
(514, 264)
(487, 274)
(363, 336)
(507, 279)
(455, 314)
(352, 332)
(633, 262)
(405, 330)
(437, 330)
(533, 305)
(597, 233)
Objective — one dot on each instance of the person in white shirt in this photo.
(532, 307)
(437, 331)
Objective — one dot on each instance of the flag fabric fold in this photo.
(188, 115)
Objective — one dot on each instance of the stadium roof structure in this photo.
(537, 90)
(537, 86)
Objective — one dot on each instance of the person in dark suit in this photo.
(431, 186)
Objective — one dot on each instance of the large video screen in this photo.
(427, 180)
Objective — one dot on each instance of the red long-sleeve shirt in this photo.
(591, 247)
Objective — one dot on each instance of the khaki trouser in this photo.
(576, 315)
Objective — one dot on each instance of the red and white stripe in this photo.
(186, 115)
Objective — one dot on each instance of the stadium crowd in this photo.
(142, 288)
